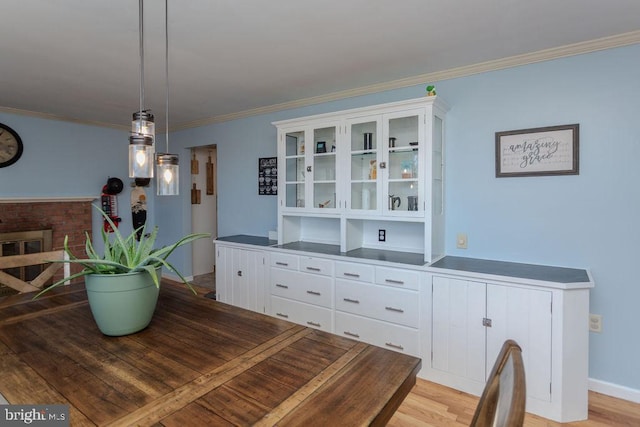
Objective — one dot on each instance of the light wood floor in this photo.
(431, 404)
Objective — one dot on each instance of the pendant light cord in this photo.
(141, 26)
(166, 68)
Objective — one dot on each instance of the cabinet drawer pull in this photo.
(397, 310)
(286, 316)
(395, 282)
(317, 325)
(351, 334)
(351, 275)
(278, 285)
(313, 269)
(314, 293)
(284, 264)
(239, 273)
(355, 301)
(392, 345)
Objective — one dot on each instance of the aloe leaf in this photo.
(167, 250)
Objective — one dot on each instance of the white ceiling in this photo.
(79, 59)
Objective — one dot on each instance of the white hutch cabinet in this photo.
(344, 176)
(360, 253)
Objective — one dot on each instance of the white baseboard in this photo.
(615, 390)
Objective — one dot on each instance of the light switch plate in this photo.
(461, 241)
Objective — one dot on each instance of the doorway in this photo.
(204, 213)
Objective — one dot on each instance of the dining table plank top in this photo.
(199, 362)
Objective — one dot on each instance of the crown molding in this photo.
(48, 116)
(483, 67)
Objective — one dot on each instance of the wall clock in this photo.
(10, 146)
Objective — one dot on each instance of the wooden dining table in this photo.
(199, 362)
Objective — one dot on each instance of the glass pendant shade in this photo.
(140, 156)
(167, 173)
(143, 123)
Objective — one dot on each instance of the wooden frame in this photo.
(552, 150)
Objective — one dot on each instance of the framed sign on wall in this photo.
(552, 150)
(268, 176)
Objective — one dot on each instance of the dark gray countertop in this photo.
(472, 265)
(409, 258)
(362, 253)
(318, 248)
(513, 269)
(248, 240)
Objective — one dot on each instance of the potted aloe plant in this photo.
(123, 283)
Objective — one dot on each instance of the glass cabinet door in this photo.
(294, 170)
(364, 147)
(323, 167)
(403, 164)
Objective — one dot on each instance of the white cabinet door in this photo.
(224, 273)
(402, 169)
(458, 334)
(462, 346)
(365, 153)
(308, 167)
(523, 315)
(240, 274)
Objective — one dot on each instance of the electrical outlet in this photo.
(595, 323)
(382, 235)
(461, 241)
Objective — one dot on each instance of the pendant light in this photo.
(167, 170)
(141, 147)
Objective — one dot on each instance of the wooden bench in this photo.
(40, 258)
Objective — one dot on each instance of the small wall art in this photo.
(268, 176)
(552, 150)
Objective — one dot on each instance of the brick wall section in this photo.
(64, 218)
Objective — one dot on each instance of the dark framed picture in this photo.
(321, 147)
(268, 176)
(552, 150)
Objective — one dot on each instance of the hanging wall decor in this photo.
(268, 176)
(210, 176)
(551, 150)
(195, 166)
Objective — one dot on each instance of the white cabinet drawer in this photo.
(354, 271)
(407, 279)
(379, 302)
(393, 337)
(287, 261)
(316, 266)
(309, 288)
(303, 314)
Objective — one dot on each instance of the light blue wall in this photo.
(588, 220)
(584, 221)
(67, 159)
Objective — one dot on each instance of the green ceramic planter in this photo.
(122, 304)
